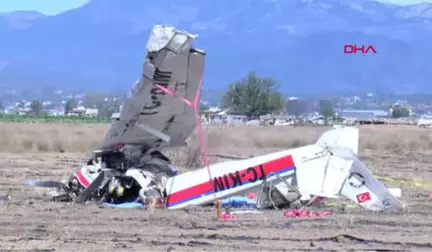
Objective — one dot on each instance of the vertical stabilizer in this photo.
(342, 138)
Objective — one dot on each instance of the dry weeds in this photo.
(235, 140)
(46, 137)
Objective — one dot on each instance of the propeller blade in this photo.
(42, 183)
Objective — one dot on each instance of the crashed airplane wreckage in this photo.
(159, 113)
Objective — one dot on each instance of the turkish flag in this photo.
(363, 197)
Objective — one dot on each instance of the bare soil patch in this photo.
(31, 223)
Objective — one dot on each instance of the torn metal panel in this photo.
(364, 189)
(149, 117)
(100, 182)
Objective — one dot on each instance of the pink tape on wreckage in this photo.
(194, 105)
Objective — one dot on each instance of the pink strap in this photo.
(195, 106)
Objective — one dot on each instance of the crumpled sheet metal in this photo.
(168, 37)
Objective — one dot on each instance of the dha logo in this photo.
(353, 49)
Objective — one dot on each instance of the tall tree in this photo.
(94, 100)
(69, 105)
(253, 96)
(109, 106)
(36, 108)
(399, 111)
(296, 107)
(326, 109)
(203, 107)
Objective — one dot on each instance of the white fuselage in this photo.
(235, 177)
(314, 170)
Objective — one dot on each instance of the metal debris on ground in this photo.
(5, 200)
(239, 201)
(124, 205)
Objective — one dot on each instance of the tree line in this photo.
(255, 96)
(252, 95)
(91, 100)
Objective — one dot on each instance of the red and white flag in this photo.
(363, 197)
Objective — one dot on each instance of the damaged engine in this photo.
(126, 174)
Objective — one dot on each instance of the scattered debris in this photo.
(239, 201)
(397, 192)
(124, 205)
(5, 200)
(298, 213)
(130, 164)
(226, 216)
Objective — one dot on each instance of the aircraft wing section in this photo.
(149, 116)
(363, 188)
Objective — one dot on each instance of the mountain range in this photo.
(101, 45)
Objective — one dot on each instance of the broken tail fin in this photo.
(341, 138)
(346, 170)
(363, 188)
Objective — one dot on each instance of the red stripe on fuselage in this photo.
(251, 174)
(82, 179)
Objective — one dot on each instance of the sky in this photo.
(403, 2)
(47, 7)
(53, 7)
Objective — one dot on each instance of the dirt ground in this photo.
(30, 223)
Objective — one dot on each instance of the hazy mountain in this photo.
(299, 42)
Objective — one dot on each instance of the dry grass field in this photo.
(52, 151)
